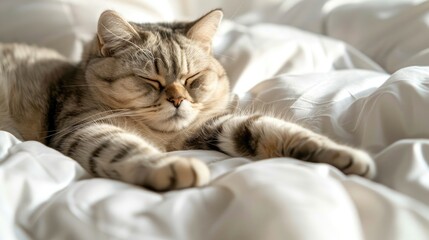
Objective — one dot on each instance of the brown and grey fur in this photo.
(139, 91)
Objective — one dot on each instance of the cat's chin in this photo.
(170, 119)
(172, 124)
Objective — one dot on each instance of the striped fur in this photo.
(261, 137)
(139, 91)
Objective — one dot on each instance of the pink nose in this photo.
(176, 101)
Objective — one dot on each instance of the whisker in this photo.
(114, 113)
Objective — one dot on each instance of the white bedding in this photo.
(372, 92)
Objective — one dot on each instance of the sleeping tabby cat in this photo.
(139, 91)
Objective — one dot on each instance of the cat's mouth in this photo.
(183, 112)
(177, 115)
(170, 118)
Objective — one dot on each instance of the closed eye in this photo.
(152, 82)
(191, 77)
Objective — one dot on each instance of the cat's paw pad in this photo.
(350, 161)
(178, 173)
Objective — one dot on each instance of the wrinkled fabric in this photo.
(351, 70)
(48, 196)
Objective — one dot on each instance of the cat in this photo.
(139, 91)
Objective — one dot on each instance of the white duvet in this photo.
(368, 87)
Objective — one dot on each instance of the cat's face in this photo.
(163, 71)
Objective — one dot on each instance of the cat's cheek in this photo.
(203, 93)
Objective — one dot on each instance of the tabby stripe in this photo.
(106, 173)
(55, 105)
(51, 125)
(303, 155)
(208, 136)
(348, 164)
(115, 174)
(126, 101)
(172, 64)
(183, 62)
(71, 150)
(122, 153)
(119, 101)
(310, 157)
(163, 59)
(73, 131)
(73, 146)
(108, 79)
(173, 181)
(246, 142)
(111, 79)
(198, 141)
(61, 140)
(157, 67)
(194, 176)
(217, 117)
(212, 141)
(188, 66)
(96, 153)
(75, 113)
(175, 59)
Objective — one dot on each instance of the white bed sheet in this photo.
(323, 83)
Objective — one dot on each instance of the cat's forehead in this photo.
(168, 53)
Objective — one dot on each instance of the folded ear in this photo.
(204, 29)
(113, 32)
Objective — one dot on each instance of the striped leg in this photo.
(261, 137)
(109, 151)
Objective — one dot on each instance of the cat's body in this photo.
(141, 90)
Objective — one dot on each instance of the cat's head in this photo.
(166, 71)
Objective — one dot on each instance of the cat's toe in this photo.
(360, 163)
(350, 161)
(178, 173)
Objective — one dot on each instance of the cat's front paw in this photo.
(177, 173)
(349, 160)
